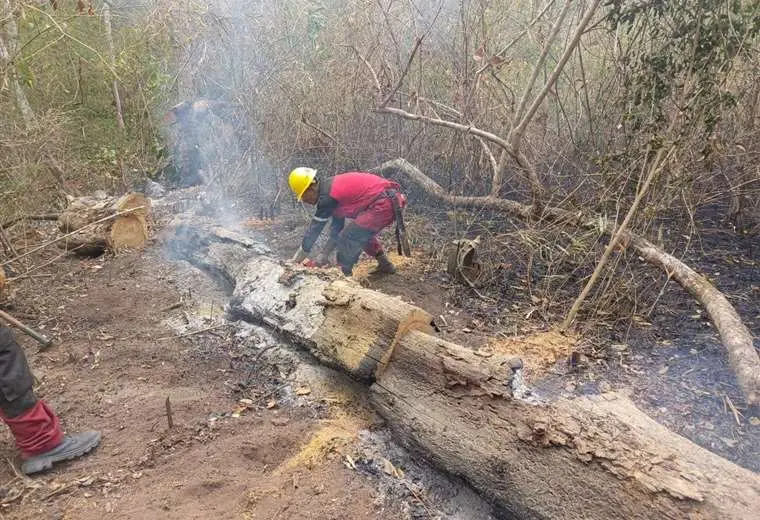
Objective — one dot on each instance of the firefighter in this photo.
(371, 202)
(192, 121)
(32, 422)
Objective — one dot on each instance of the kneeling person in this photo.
(371, 202)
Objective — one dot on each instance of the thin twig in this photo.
(76, 40)
(389, 97)
(29, 272)
(737, 413)
(214, 327)
(15, 471)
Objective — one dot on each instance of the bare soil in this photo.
(127, 339)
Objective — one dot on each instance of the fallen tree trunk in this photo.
(341, 323)
(98, 224)
(735, 336)
(586, 458)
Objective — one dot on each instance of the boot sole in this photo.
(46, 463)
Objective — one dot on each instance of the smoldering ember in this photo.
(387, 260)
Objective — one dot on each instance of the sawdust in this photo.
(539, 352)
(337, 435)
(365, 268)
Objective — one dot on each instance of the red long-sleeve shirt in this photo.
(344, 196)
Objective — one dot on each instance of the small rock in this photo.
(754, 421)
(246, 402)
(280, 421)
(693, 352)
(515, 363)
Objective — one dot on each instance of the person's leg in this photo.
(377, 217)
(353, 239)
(33, 423)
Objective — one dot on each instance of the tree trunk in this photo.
(99, 224)
(9, 51)
(534, 458)
(341, 323)
(112, 62)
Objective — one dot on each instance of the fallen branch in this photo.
(735, 336)
(67, 235)
(194, 332)
(15, 220)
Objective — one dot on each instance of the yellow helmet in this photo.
(300, 179)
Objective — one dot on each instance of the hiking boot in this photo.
(70, 448)
(384, 265)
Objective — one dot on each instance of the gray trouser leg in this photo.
(16, 381)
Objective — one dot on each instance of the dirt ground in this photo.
(266, 433)
(249, 440)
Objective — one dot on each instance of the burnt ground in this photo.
(254, 436)
(665, 355)
(271, 435)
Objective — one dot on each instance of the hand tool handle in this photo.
(45, 342)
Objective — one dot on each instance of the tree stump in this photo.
(101, 223)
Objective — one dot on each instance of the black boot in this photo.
(384, 265)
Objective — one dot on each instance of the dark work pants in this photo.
(34, 425)
(16, 381)
(361, 234)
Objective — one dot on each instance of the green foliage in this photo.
(684, 52)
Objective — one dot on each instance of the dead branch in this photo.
(537, 188)
(390, 96)
(112, 62)
(516, 39)
(656, 167)
(735, 336)
(15, 220)
(540, 63)
(371, 70)
(522, 121)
